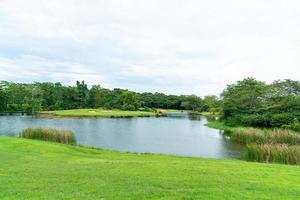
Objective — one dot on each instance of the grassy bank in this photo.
(221, 126)
(31, 169)
(97, 113)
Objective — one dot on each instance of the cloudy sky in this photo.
(172, 46)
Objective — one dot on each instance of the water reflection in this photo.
(179, 133)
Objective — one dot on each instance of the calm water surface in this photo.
(179, 134)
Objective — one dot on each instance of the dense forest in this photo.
(55, 96)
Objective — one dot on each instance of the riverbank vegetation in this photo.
(50, 134)
(273, 153)
(254, 103)
(33, 169)
(264, 136)
(274, 109)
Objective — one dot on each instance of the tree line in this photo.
(245, 103)
(48, 96)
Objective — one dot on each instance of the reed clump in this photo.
(259, 136)
(64, 136)
(249, 135)
(273, 153)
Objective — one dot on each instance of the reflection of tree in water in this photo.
(196, 117)
(231, 148)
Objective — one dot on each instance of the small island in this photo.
(99, 113)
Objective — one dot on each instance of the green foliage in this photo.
(281, 119)
(129, 101)
(256, 120)
(191, 103)
(55, 96)
(270, 153)
(50, 134)
(211, 104)
(254, 103)
(243, 97)
(2, 100)
(295, 125)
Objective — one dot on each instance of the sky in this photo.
(172, 46)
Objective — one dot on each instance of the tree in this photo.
(95, 96)
(82, 92)
(129, 101)
(211, 103)
(2, 100)
(192, 102)
(246, 96)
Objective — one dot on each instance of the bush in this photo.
(279, 153)
(129, 107)
(278, 120)
(50, 134)
(256, 120)
(295, 125)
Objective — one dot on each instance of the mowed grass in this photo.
(31, 169)
(96, 113)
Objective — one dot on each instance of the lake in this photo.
(177, 134)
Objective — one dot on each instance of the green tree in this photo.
(82, 94)
(192, 102)
(244, 102)
(130, 101)
(2, 100)
(211, 104)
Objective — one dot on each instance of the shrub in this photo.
(278, 120)
(279, 153)
(129, 107)
(295, 125)
(50, 134)
(255, 120)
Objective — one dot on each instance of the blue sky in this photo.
(172, 46)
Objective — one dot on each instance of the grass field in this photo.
(42, 170)
(96, 113)
(221, 126)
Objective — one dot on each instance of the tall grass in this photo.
(50, 134)
(259, 136)
(272, 153)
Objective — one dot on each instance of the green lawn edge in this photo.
(97, 113)
(32, 169)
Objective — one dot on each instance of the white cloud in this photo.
(177, 46)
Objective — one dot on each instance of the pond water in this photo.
(178, 134)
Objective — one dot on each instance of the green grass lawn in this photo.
(42, 170)
(97, 113)
(221, 126)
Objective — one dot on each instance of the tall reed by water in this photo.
(259, 136)
(50, 134)
(272, 153)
